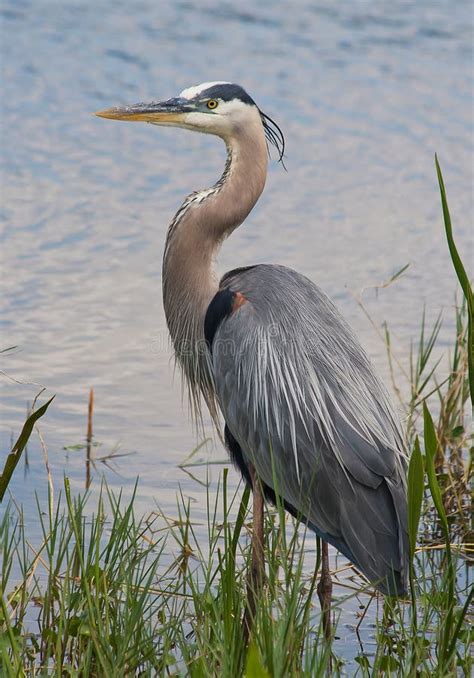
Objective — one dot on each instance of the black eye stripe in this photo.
(227, 92)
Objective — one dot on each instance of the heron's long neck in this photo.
(194, 238)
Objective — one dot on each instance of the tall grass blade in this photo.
(415, 500)
(10, 348)
(254, 667)
(15, 455)
(240, 518)
(462, 276)
(415, 494)
(431, 448)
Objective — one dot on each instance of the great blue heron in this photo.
(305, 414)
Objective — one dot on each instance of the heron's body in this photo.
(309, 413)
(302, 404)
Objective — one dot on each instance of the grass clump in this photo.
(103, 595)
(107, 594)
(86, 604)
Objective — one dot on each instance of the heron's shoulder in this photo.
(267, 275)
(277, 293)
(262, 288)
(271, 282)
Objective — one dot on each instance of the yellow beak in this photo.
(171, 111)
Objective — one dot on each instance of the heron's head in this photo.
(219, 108)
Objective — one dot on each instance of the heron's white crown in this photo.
(195, 90)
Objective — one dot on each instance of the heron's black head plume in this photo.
(274, 136)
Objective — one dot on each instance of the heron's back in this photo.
(303, 403)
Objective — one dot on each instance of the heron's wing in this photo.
(300, 397)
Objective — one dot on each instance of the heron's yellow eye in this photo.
(212, 103)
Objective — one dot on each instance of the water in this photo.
(365, 93)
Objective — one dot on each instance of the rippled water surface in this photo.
(365, 92)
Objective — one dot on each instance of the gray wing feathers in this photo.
(300, 396)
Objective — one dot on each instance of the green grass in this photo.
(104, 592)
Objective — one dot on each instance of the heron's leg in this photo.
(256, 575)
(325, 591)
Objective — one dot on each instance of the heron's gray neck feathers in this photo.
(201, 224)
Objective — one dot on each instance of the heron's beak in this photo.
(171, 111)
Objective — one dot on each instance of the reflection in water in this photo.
(364, 99)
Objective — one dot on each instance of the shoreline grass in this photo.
(106, 593)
